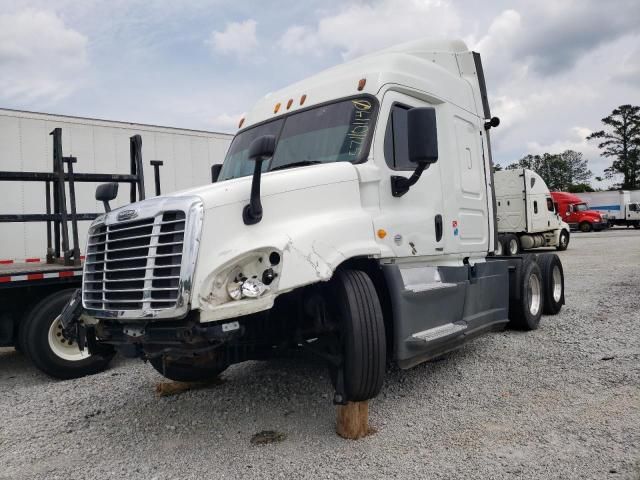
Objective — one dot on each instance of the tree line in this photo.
(569, 171)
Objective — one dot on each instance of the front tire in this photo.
(187, 369)
(362, 334)
(43, 342)
(525, 312)
(563, 241)
(585, 227)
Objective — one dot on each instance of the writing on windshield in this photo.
(335, 132)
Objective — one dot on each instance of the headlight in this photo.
(250, 276)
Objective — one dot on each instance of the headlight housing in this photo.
(251, 276)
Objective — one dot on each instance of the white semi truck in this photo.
(49, 167)
(526, 214)
(354, 216)
(617, 205)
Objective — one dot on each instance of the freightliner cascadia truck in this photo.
(526, 214)
(354, 216)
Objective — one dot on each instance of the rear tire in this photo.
(43, 342)
(499, 247)
(512, 245)
(563, 241)
(363, 340)
(187, 369)
(553, 282)
(525, 313)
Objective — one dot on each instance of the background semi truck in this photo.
(526, 214)
(575, 211)
(617, 205)
(45, 156)
(353, 217)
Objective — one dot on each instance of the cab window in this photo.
(550, 205)
(396, 148)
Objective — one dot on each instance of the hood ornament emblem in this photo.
(127, 215)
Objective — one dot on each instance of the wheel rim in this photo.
(63, 348)
(534, 294)
(557, 284)
(563, 240)
(513, 246)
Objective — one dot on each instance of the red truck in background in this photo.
(576, 213)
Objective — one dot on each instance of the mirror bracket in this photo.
(401, 185)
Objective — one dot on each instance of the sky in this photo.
(554, 68)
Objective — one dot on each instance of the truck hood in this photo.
(272, 183)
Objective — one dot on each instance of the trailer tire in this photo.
(553, 282)
(362, 334)
(585, 227)
(512, 245)
(43, 342)
(563, 241)
(184, 369)
(525, 310)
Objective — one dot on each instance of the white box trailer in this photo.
(99, 146)
(36, 267)
(619, 206)
(526, 213)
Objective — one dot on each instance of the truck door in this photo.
(414, 221)
(466, 186)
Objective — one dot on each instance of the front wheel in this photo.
(50, 351)
(563, 241)
(362, 334)
(187, 369)
(585, 227)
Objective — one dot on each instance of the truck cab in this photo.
(526, 214)
(577, 214)
(353, 217)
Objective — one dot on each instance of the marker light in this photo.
(361, 83)
(276, 108)
(241, 122)
(382, 233)
(289, 103)
(303, 98)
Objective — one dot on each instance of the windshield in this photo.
(581, 207)
(337, 132)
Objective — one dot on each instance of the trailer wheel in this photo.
(553, 280)
(362, 334)
(525, 312)
(187, 369)
(44, 343)
(563, 241)
(512, 245)
(585, 227)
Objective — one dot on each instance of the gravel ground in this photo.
(560, 402)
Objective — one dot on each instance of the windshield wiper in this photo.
(303, 163)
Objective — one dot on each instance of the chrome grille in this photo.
(135, 265)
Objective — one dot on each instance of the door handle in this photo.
(438, 225)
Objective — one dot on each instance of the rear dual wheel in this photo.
(553, 280)
(510, 244)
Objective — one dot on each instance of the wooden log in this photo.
(352, 420)
(165, 389)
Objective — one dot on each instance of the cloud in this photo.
(362, 27)
(238, 38)
(40, 58)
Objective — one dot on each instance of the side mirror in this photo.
(422, 134)
(215, 172)
(422, 145)
(105, 193)
(261, 149)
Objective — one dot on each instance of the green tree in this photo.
(576, 170)
(621, 141)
